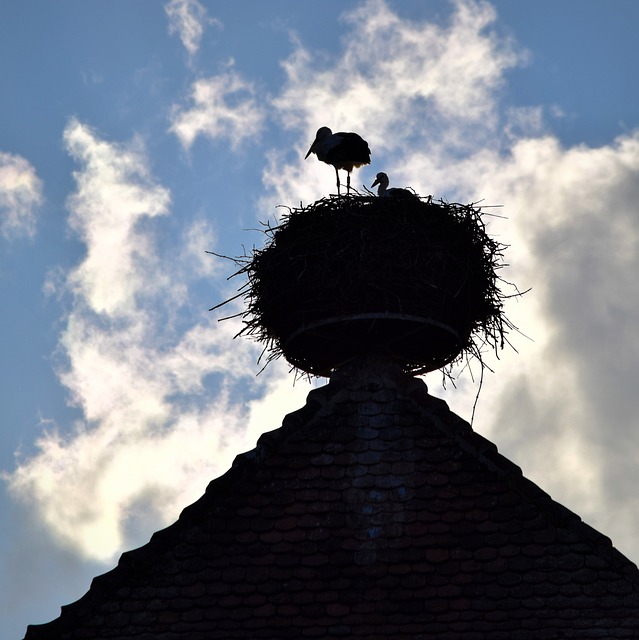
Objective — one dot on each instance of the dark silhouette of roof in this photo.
(373, 512)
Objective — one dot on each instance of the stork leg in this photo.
(337, 175)
(348, 182)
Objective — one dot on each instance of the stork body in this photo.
(381, 179)
(342, 150)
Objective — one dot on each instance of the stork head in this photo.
(381, 179)
(322, 132)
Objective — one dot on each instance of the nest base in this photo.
(423, 343)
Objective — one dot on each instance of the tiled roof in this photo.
(373, 512)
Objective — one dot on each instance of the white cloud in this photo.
(188, 19)
(115, 192)
(154, 429)
(223, 107)
(406, 86)
(20, 196)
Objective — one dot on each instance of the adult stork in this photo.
(381, 179)
(342, 150)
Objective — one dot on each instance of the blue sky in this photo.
(137, 135)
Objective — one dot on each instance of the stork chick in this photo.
(342, 150)
(381, 179)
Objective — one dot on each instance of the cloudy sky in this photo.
(138, 135)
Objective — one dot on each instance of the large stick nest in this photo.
(351, 273)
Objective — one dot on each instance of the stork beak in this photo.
(374, 183)
(311, 149)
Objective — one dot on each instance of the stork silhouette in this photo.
(342, 150)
